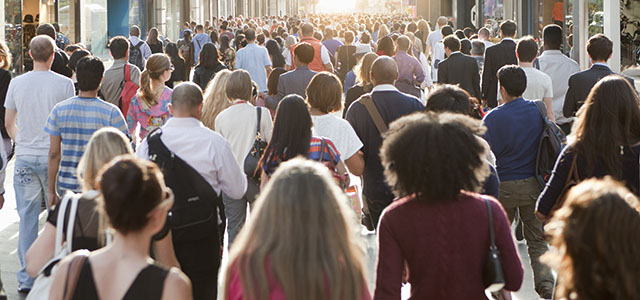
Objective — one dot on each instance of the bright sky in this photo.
(335, 5)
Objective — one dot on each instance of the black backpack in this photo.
(197, 206)
(551, 143)
(135, 55)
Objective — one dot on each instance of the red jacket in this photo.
(316, 64)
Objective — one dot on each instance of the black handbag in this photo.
(492, 276)
(252, 159)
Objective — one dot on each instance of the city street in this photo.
(9, 263)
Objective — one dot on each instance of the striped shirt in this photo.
(329, 153)
(74, 121)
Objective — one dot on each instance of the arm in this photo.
(390, 263)
(268, 69)
(42, 250)
(442, 74)
(417, 70)
(232, 179)
(548, 102)
(511, 264)
(355, 163)
(163, 250)
(475, 79)
(52, 168)
(568, 108)
(555, 185)
(326, 59)
(341, 169)
(10, 116)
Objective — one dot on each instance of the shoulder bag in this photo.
(492, 276)
(42, 285)
(257, 150)
(341, 179)
(367, 101)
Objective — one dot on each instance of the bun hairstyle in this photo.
(131, 188)
(156, 65)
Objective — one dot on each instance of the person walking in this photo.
(363, 81)
(295, 82)
(155, 44)
(539, 85)
(61, 60)
(321, 59)
(255, 60)
(410, 73)
(275, 53)
(185, 45)
(179, 73)
(215, 99)
(27, 107)
(199, 40)
(112, 83)
(139, 50)
(208, 66)
(459, 68)
(344, 54)
(496, 57)
(227, 53)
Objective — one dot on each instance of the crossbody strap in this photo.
(258, 119)
(62, 210)
(323, 145)
(367, 101)
(60, 223)
(72, 222)
(491, 233)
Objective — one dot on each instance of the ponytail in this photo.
(156, 65)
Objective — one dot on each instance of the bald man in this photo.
(390, 104)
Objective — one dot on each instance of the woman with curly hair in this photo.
(596, 234)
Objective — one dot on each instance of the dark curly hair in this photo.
(434, 156)
(596, 234)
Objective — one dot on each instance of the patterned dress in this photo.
(149, 118)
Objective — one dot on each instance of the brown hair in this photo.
(595, 233)
(5, 56)
(599, 47)
(41, 48)
(324, 92)
(363, 69)
(156, 65)
(239, 86)
(131, 188)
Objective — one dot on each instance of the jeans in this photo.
(522, 195)
(30, 184)
(236, 209)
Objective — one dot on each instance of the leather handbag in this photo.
(42, 285)
(257, 150)
(492, 276)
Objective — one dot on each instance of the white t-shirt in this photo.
(538, 85)
(33, 95)
(433, 38)
(437, 56)
(237, 124)
(339, 131)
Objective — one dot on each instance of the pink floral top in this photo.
(149, 118)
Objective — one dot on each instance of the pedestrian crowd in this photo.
(290, 136)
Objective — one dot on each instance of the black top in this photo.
(148, 285)
(85, 231)
(5, 78)
(179, 72)
(60, 63)
(346, 61)
(629, 167)
(353, 94)
(461, 69)
(496, 57)
(155, 48)
(202, 75)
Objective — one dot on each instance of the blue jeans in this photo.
(30, 184)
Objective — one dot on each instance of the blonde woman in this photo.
(363, 81)
(5, 78)
(215, 99)
(150, 107)
(384, 31)
(422, 33)
(286, 51)
(300, 242)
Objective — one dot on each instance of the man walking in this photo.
(111, 86)
(495, 57)
(321, 59)
(459, 68)
(255, 60)
(60, 61)
(410, 73)
(513, 133)
(139, 49)
(199, 40)
(390, 104)
(30, 99)
(296, 81)
(539, 86)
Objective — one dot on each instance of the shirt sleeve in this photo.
(143, 149)
(71, 89)
(117, 120)
(353, 142)
(52, 127)
(324, 55)
(233, 181)
(9, 101)
(266, 125)
(548, 92)
(239, 60)
(556, 183)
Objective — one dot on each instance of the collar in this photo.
(183, 122)
(119, 62)
(455, 52)
(551, 52)
(401, 52)
(508, 39)
(384, 88)
(134, 38)
(601, 64)
(514, 101)
(301, 68)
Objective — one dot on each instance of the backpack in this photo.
(135, 55)
(128, 90)
(197, 206)
(551, 143)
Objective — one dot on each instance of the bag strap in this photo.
(323, 146)
(73, 273)
(72, 222)
(259, 116)
(492, 238)
(62, 210)
(542, 109)
(137, 46)
(157, 145)
(367, 101)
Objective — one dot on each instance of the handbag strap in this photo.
(73, 273)
(491, 233)
(367, 101)
(72, 222)
(259, 117)
(323, 145)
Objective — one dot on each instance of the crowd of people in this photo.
(150, 163)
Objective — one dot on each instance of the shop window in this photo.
(630, 33)
(94, 27)
(13, 33)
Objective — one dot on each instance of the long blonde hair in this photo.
(156, 65)
(215, 99)
(363, 69)
(423, 27)
(5, 56)
(105, 144)
(384, 31)
(303, 228)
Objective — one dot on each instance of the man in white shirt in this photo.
(559, 67)
(255, 60)
(483, 35)
(211, 156)
(539, 86)
(435, 36)
(30, 99)
(438, 53)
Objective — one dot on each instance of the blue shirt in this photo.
(349, 81)
(198, 42)
(254, 59)
(74, 120)
(513, 133)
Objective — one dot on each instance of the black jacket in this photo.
(202, 75)
(179, 72)
(5, 78)
(463, 70)
(495, 58)
(580, 85)
(60, 63)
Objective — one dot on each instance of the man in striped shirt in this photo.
(73, 121)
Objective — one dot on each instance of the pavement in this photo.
(9, 263)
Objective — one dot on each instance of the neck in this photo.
(132, 245)
(156, 84)
(316, 112)
(604, 62)
(508, 98)
(525, 64)
(41, 66)
(88, 94)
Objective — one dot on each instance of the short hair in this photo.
(403, 43)
(46, 29)
(477, 47)
(412, 166)
(349, 37)
(42, 48)
(467, 32)
(449, 98)
(452, 42)
(304, 52)
(260, 38)
(459, 34)
(72, 48)
(119, 47)
(599, 47)
(76, 57)
(508, 28)
(250, 35)
(89, 70)
(412, 27)
(484, 32)
(239, 85)
(527, 49)
(552, 36)
(324, 92)
(186, 96)
(513, 79)
(465, 46)
(446, 30)
(199, 27)
(306, 29)
(134, 31)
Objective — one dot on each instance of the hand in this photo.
(53, 198)
(541, 217)
(1, 201)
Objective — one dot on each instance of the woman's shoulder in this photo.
(176, 285)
